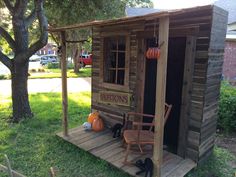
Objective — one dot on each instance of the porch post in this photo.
(160, 95)
(64, 83)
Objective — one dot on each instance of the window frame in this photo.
(114, 86)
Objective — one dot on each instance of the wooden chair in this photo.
(137, 135)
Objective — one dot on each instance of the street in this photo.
(49, 85)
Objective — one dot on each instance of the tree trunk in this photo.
(20, 101)
(76, 59)
(22, 50)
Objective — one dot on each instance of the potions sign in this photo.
(114, 98)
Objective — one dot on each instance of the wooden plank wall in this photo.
(209, 29)
(205, 86)
(112, 113)
(196, 84)
(213, 80)
(197, 91)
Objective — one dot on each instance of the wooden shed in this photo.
(187, 75)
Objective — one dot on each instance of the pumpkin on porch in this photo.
(93, 116)
(97, 124)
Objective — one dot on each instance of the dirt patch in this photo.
(229, 143)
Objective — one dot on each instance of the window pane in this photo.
(112, 60)
(120, 77)
(121, 43)
(113, 43)
(121, 60)
(111, 76)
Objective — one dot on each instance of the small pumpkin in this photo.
(92, 116)
(153, 53)
(97, 124)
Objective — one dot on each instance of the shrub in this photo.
(41, 70)
(70, 66)
(53, 65)
(2, 77)
(227, 108)
(33, 70)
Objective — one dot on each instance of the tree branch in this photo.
(8, 38)
(5, 60)
(29, 20)
(55, 39)
(20, 7)
(43, 24)
(9, 5)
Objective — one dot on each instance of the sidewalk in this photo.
(49, 85)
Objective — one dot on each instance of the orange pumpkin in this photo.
(97, 124)
(92, 116)
(153, 53)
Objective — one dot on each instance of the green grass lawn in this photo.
(56, 73)
(33, 147)
(218, 165)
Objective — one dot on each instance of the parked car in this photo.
(34, 62)
(85, 60)
(50, 58)
(34, 58)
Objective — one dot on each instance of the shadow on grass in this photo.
(33, 147)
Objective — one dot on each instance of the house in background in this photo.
(229, 66)
(232, 26)
(50, 48)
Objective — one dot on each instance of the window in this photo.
(114, 59)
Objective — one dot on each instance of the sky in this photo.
(176, 4)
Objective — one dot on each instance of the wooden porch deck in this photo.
(104, 146)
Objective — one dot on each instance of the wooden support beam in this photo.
(64, 83)
(160, 95)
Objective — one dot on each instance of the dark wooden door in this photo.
(174, 82)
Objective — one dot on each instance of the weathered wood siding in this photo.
(206, 86)
(112, 113)
(213, 80)
(208, 27)
(192, 102)
(197, 91)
